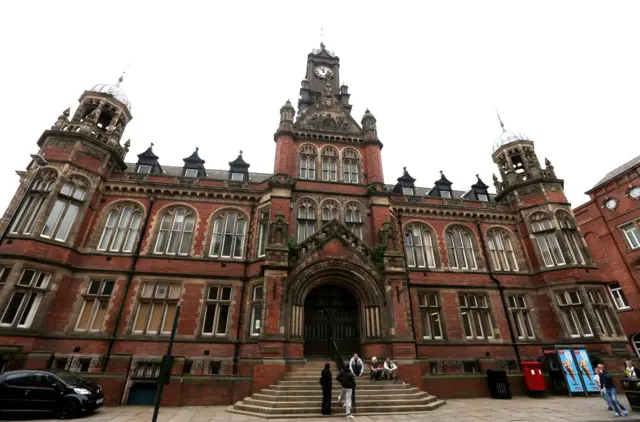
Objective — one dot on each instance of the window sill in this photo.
(627, 309)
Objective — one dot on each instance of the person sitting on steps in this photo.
(356, 365)
(390, 369)
(376, 369)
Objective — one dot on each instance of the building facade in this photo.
(610, 221)
(98, 254)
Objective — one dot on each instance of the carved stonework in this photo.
(60, 143)
(333, 229)
(326, 121)
(278, 230)
(94, 153)
(552, 188)
(530, 190)
(281, 180)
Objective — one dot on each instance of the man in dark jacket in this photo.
(348, 382)
(606, 380)
(325, 382)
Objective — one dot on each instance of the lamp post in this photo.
(40, 162)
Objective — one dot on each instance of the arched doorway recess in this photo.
(331, 311)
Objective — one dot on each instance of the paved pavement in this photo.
(519, 409)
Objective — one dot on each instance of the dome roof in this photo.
(115, 91)
(506, 137)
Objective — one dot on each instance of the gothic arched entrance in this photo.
(330, 312)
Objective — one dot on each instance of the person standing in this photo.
(606, 379)
(603, 392)
(348, 382)
(325, 382)
(356, 365)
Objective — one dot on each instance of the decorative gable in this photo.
(327, 115)
(330, 231)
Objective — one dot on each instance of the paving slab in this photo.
(519, 409)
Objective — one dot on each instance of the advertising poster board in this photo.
(586, 370)
(570, 370)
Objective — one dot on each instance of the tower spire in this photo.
(500, 120)
(121, 78)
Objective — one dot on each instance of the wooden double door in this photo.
(331, 312)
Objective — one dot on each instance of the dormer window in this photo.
(482, 197)
(408, 191)
(191, 172)
(239, 177)
(445, 194)
(144, 169)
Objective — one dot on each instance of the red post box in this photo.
(533, 378)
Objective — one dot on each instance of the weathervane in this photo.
(500, 120)
(123, 73)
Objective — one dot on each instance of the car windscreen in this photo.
(70, 378)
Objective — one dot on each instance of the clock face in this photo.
(635, 192)
(611, 204)
(323, 72)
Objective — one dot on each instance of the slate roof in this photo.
(261, 177)
(629, 165)
(211, 173)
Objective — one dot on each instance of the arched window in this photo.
(306, 220)
(353, 219)
(65, 209)
(546, 239)
(350, 165)
(121, 230)
(330, 164)
(418, 245)
(329, 211)
(26, 216)
(460, 248)
(308, 155)
(574, 252)
(501, 250)
(176, 232)
(228, 236)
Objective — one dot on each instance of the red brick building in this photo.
(98, 252)
(610, 222)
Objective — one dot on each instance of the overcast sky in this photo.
(215, 74)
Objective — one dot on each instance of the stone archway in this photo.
(340, 284)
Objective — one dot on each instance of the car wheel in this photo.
(68, 409)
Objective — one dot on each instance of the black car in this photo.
(61, 392)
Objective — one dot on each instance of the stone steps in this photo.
(299, 395)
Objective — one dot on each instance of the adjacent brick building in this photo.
(610, 222)
(97, 254)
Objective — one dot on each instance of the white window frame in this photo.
(617, 294)
(263, 232)
(570, 304)
(184, 230)
(64, 212)
(521, 315)
(353, 220)
(475, 307)
(124, 222)
(631, 235)
(95, 300)
(604, 313)
(157, 297)
(430, 315)
(255, 315)
(191, 172)
(144, 169)
(307, 220)
(216, 303)
(461, 247)
(237, 177)
(33, 290)
(408, 191)
(419, 247)
(228, 229)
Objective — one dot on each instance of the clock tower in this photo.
(322, 66)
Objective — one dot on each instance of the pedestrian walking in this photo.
(606, 379)
(325, 382)
(348, 382)
(603, 392)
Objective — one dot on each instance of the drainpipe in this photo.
(236, 350)
(501, 290)
(136, 255)
(413, 324)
